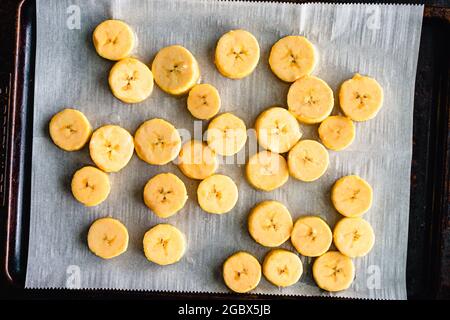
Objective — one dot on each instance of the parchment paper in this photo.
(377, 40)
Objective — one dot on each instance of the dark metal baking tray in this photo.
(428, 267)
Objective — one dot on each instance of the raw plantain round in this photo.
(165, 194)
(237, 54)
(70, 129)
(157, 142)
(292, 57)
(90, 186)
(107, 238)
(241, 272)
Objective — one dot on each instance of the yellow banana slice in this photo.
(277, 130)
(267, 171)
(282, 267)
(175, 70)
(333, 271)
(165, 194)
(292, 57)
(353, 237)
(361, 98)
(203, 101)
(197, 160)
(241, 272)
(351, 196)
(217, 194)
(107, 238)
(337, 132)
(308, 160)
(310, 99)
(270, 223)
(111, 148)
(237, 54)
(164, 244)
(311, 236)
(227, 134)
(90, 186)
(130, 80)
(70, 129)
(157, 142)
(113, 39)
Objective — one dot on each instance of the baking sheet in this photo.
(378, 40)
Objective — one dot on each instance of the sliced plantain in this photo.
(197, 160)
(292, 57)
(361, 98)
(70, 129)
(351, 196)
(311, 236)
(277, 130)
(157, 142)
(337, 132)
(227, 134)
(203, 101)
(267, 171)
(217, 194)
(164, 244)
(111, 148)
(333, 271)
(353, 237)
(165, 194)
(130, 80)
(241, 272)
(237, 54)
(283, 268)
(270, 223)
(90, 186)
(113, 39)
(310, 100)
(175, 70)
(308, 160)
(107, 238)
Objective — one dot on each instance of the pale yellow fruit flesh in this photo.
(70, 129)
(308, 160)
(353, 237)
(203, 101)
(157, 142)
(111, 148)
(175, 70)
(361, 98)
(292, 57)
(333, 271)
(277, 130)
(351, 196)
(270, 223)
(197, 161)
(164, 244)
(237, 54)
(241, 272)
(113, 39)
(337, 132)
(130, 80)
(165, 194)
(227, 134)
(311, 236)
(90, 186)
(282, 267)
(107, 238)
(267, 171)
(217, 194)
(310, 99)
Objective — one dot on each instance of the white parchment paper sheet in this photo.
(378, 40)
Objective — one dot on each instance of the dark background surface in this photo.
(421, 277)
